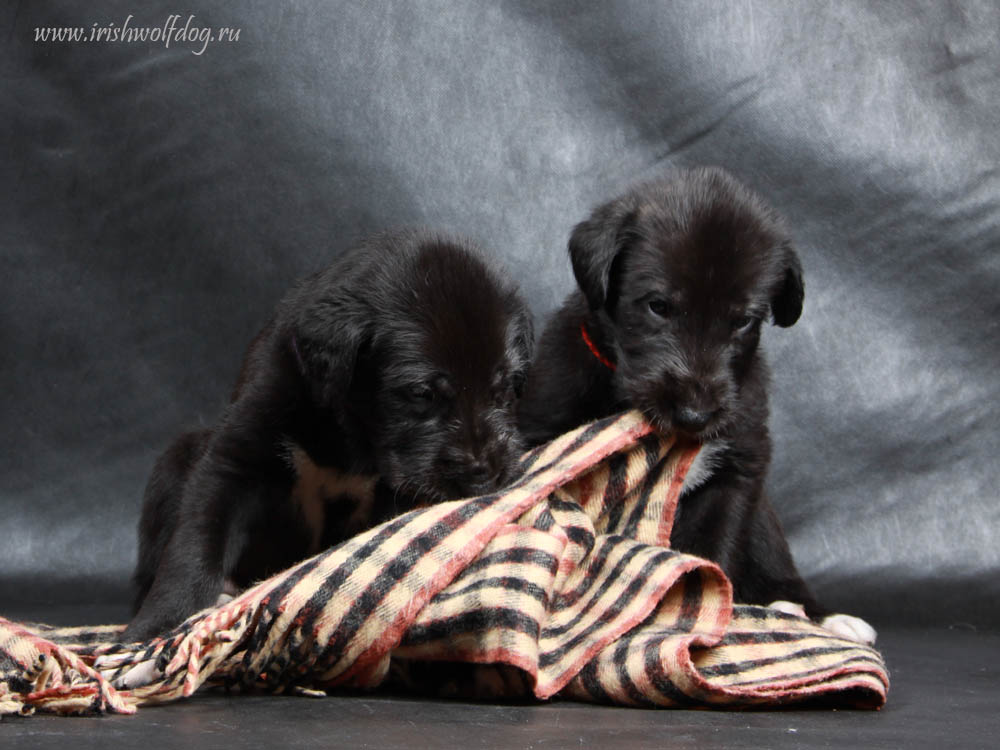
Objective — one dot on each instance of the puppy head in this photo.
(683, 271)
(431, 352)
(447, 364)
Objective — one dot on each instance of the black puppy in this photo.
(676, 278)
(402, 360)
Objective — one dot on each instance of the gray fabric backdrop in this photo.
(157, 200)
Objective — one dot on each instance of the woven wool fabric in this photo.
(565, 574)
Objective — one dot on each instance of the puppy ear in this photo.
(786, 304)
(520, 344)
(329, 331)
(595, 243)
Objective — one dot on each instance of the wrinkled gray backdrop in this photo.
(156, 203)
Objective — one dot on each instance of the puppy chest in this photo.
(333, 505)
(705, 464)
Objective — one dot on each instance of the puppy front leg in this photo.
(211, 533)
(731, 522)
(789, 593)
(188, 578)
(161, 506)
(771, 572)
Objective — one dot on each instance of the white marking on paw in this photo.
(850, 627)
(704, 464)
(789, 608)
(141, 674)
(229, 587)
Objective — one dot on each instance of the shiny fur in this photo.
(676, 278)
(402, 360)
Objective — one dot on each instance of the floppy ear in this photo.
(520, 343)
(595, 243)
(330, 326)
(786, 303)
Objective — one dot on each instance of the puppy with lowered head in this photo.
(676, 278)
(403, 360)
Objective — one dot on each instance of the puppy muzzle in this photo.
(693, 420)
(479, 474)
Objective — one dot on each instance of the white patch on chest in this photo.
(704, 464)
(316, 486)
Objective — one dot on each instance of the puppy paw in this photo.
(141, 674)
(229, 592)
(789, 608)
(850, 627)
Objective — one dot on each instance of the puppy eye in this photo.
(744, 324)
(420, 393)
(659, 307)
(503, 392)
(506, 395)
(517, 383)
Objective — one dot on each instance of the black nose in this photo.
(692, 420)
(479, 472)
(477, 476)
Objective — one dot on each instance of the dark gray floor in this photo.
(945, 693)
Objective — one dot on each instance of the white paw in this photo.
(850, 627)
(789, 608)
(141, 674)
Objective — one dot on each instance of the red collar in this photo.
(594, 350)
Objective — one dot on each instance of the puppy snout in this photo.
(695, 408)
(480, 472)
(481, 477)
(692, 420)
(475, 474)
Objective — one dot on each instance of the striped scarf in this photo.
(565, 574)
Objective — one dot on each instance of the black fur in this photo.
(676, 278)
(403, 359)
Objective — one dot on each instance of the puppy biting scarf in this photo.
(564, 574)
